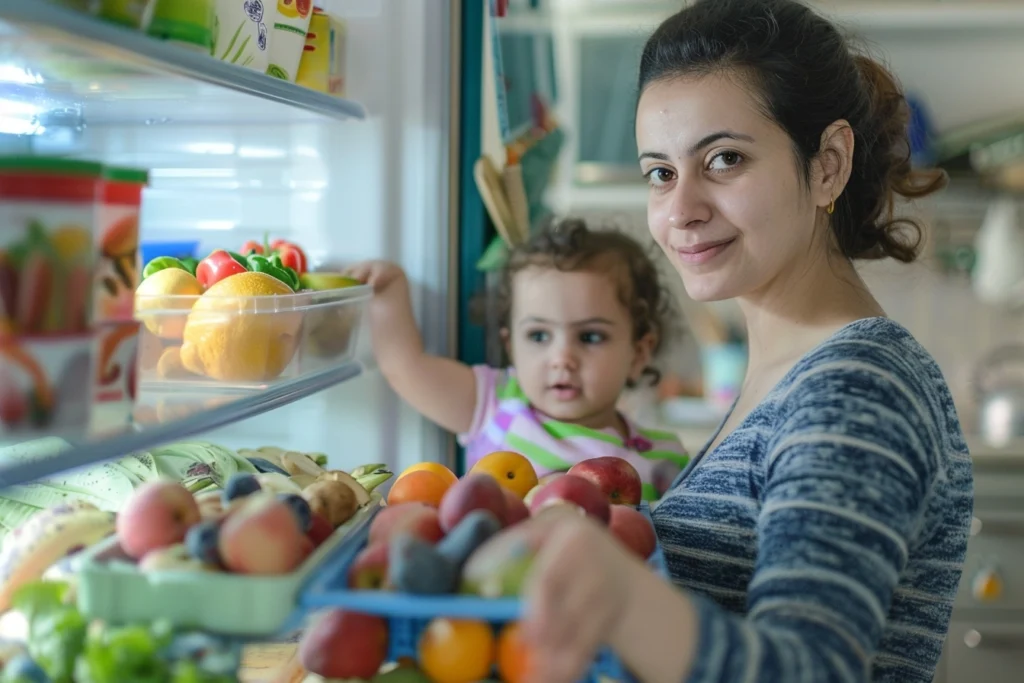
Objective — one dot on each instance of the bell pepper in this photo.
(262, 264)
(162, 263)
(190, 264)
(218, 265)
(291, 255)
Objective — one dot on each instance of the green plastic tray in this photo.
(223, 603)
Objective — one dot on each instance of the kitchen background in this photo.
(958, 61)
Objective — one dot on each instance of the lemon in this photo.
(235, 334)
(167, 295)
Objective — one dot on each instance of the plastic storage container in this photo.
(47, 222)
(409, 615)
(247, 342)
(112, 589)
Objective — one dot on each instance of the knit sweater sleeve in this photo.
(848, 471)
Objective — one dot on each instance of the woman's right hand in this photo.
(378, 274)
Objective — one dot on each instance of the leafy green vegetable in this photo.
(56, 630)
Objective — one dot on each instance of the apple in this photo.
(546, 479)
(319, 529)
(419, 519)
(616, 478)
(263, 537)
(158, 514)
(633, 529)
(345, 645)
(369, 571)
(577, 491)
(472, 492)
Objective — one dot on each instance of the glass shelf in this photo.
(163, 416)
(62, 67)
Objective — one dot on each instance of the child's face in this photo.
(571, 342)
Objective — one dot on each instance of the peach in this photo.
(616, 477)
(263, 536)
(633, 529)
(472, 492)
(158, 514)
(515, 509)
(345, 645)
(419, 519)
(541, 483)
(319, 529)
(369, 571)
(577, 491)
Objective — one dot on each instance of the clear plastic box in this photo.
(247, 342)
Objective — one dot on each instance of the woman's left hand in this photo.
(576, 593)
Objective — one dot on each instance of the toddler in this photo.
(582, 316)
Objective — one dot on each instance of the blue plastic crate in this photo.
(408, 615)
(180, 249)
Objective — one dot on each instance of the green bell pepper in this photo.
(292, 273)
(190, 264)
(261, 264)
(162, 263)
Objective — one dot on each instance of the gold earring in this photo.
(831, 207)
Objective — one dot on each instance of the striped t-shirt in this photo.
(824, 539)
(504, 420)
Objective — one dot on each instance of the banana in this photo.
(28, 559)
(364, 470)
(34, 524)
(373, 479)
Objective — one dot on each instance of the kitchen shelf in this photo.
(163, 416)
(63, 66)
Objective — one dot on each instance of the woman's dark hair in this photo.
(569, 245)
(808, 78)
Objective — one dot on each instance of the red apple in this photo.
(320, 529)
(515, 509)
(630, 526)
(472, 492)
(157, 515)
(345, 645)
(575, 490)
(369, 571)
(419, 519)
(616, 478)
(263, 537)
(541, 483)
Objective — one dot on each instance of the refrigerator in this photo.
(234, 155)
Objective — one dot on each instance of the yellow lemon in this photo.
(513, 471)
(167, 296)
(234, 335)
(435, 467)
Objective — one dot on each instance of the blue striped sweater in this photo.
(823, 540)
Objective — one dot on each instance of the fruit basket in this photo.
(409, 616)
(246, 341)
(111, 588)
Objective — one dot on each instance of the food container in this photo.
(409, 615)
(242, 32)
(290, 23)
(117, 243)
(47, 222)
(111, 588)
(336, 73)
(115, 348)
(188, 23)
(247, 342)
(315, 64)
(132, 13)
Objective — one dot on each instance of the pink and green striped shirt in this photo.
(504, 420)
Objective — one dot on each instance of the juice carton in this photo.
(241, 33)
(288, 37)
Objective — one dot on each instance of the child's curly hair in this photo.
(570, 245)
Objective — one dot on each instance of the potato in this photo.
(332, 499)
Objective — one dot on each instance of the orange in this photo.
(418, 487)
(456, 650)
(513, 471)
(513, 655)
(435, 467)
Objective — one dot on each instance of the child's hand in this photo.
(378, 274)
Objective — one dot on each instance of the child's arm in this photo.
(441, 389)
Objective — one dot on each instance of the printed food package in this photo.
(242, 33)
(288, 37)
(117, 243)
(322, 67)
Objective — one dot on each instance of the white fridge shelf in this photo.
(60, 65)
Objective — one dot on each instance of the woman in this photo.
(820, 536)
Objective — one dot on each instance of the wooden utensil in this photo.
(516, 193)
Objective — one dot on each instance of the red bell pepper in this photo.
(291, 255)
(218, 265)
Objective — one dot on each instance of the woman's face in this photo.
(726, 202)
